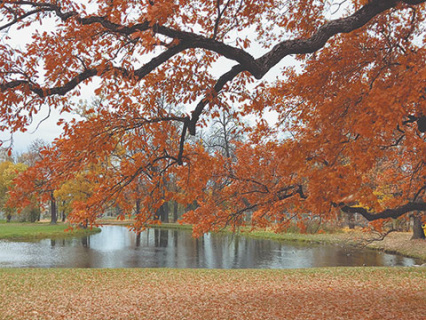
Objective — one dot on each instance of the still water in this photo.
(116, 247)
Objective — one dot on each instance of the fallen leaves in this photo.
(330, 293)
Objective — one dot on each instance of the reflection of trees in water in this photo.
(60, 242)
(161, 237)
(175, 238)
(175, 248)
(199, 243)
(229, 251)
(85, 241)
(154, 238)
(138, 240)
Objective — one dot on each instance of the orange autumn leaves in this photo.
(346, 135)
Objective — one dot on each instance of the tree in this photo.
(78, 189)
(37, 181)
(347, 111)
(224, 132)
(8, 172)
(5, 156)
(32, 155)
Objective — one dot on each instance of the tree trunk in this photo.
(138, 206)
(175, 211)
(351, 220)
(138, 240)
(54, 218)
(162, 213)
(117, 210)
(165, 217)
(63, 214)
(417, 227)
(8, 217)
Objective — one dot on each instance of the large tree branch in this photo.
(413, 2)
(38, 7)
(89, 73)
(227, 77)
(388, 213)
(18, 18)
(59, 90)
(195, 41)
(324, 33)
(258, 68)
(301, 46)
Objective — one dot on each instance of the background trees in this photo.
(355, 104)
(8, 172)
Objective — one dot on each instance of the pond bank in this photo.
(394, 243)
(40, 230)
(325, 293)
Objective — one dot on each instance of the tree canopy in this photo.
(350, 122)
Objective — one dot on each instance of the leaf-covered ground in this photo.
(330, 293)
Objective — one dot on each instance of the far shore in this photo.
(26, 231)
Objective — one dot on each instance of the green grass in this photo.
(297, 237)
(127, 222)
(40, 230)
(173, 226)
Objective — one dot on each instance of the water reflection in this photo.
(116, 247)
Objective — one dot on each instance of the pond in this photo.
(116, 247)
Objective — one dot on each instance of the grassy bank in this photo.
(329, 293)
(40, 230)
